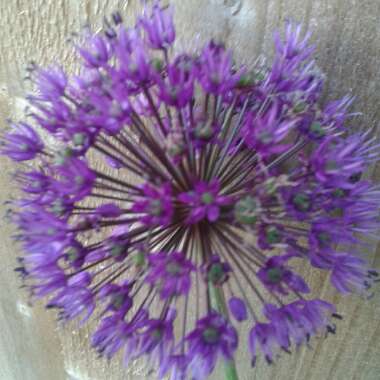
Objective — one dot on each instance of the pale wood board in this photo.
(347, 33)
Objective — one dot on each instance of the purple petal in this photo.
(109, 210)
(187, 197)
(114, 164)
(213, 213)
(297, 283)
(238, 308)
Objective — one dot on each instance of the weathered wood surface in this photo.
(347, 33)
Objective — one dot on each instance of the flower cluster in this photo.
(162, 163)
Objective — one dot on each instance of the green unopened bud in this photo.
(51, 231)
(173, 268)
(118, 301)
(274, 275)
(155, 207)
(317, 130)
(265, 137)
(204, 131)
(299, 107)
(79, 139)
(336, 212)
(355, 177)
(246, 80)
(302, 202)
(157, 64)
(246, 210)
(174, 145)
(272, 235)
(175, 150)
(117, 250)
(79, 180)
(173, 91)
(207, 198)
(332, 165)
(133, 67)
(62, 155)
(139, 259)
(72, 253)
(211, 335)
(270, 186)
(324, 238)
(156, 334)
(216, 274)
(24, 147)
(58, 207)
(259, 76)
(115, 109)
(215, 79)
(339, 193)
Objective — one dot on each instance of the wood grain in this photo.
(347, 34)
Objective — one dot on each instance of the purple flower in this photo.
(157, 338)
(51, 83)
(216, 271)
(265, 133)
(292, 323)
(213, 337)
(75, 179)
(204, 202)
(350, 273)
(171, 273)
(263, 335)
(115, 333)
(337, 160)
(110, 336)
(111, 114)
(206, 130)
(96, 53)
(291, 70)
(134, 58)
(300, 202)
(292, 47)
(39, 226)
(215, 72)
(49, 281)
(335, 112)
(206, 168)
(118, 243)
(75, 253)
(176, 365)
(119, 299)
(42, 257)
(159, 27)
(270, 235)
(155, 205)
(22, 144)
(277, 277)
(177, 90)
(34, 183)
(75, 298)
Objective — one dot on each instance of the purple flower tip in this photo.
(21, 144)
(238, 308)
(204, 202)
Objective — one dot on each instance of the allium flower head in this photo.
(179, 192)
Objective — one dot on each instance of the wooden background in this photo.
(347, 33)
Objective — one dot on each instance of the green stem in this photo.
(219, 304)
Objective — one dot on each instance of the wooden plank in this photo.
(347, 33)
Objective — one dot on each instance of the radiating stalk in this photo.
(219, 304)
